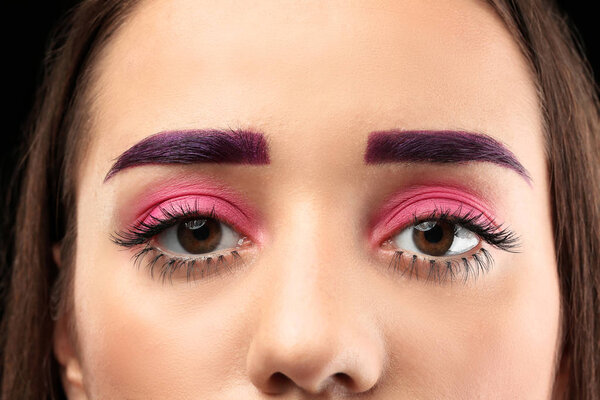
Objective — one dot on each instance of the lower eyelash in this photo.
(441, 270)
(165, 267)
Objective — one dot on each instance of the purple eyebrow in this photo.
(439, 147)
(195, 146)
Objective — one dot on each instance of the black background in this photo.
(34, 19)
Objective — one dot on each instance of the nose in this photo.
(299, 344)
(314, 331)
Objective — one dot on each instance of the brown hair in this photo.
(34, 288)
(570, 110)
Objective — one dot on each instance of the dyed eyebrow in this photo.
(195, 146)
(440, 147)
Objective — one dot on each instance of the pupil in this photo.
(435, 234)
(201, 233)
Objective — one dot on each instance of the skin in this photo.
(314, 312)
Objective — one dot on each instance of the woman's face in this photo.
(320, 214)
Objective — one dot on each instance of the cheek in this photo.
(516, 344)
(495, 338)
(136, 334)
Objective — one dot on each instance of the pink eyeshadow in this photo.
(200, 196)
(399, 211)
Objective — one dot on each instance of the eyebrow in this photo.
(440, 147)
(195, 146)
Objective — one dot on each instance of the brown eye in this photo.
(198, 236)
(436, 238)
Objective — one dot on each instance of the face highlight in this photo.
(314, 200)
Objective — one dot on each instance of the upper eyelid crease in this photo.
(399, 208)
(195, 146)
(440, 147)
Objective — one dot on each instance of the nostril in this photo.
(343, 380)
(278, 382)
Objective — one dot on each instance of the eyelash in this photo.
(141, 234)
(442, 270)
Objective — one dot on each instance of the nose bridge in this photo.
(307, 333)
(306, 243)
(301, 296)
(307, 261)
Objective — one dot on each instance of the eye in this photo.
(436, 238)
(198, 236)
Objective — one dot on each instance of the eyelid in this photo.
(227, 213)
(158, 190)
(399, 212)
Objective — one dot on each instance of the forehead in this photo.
(308, 67)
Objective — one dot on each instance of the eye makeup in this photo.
(420, 209)
(194, 209)
(184, 206)
(400, 209)
(206, 192)
(202, 205)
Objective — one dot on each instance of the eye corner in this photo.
(387, 244)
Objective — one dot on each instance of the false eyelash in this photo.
(489, 231)
(141, 232)
(442, 271)
(164, 265)
(449, 270)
